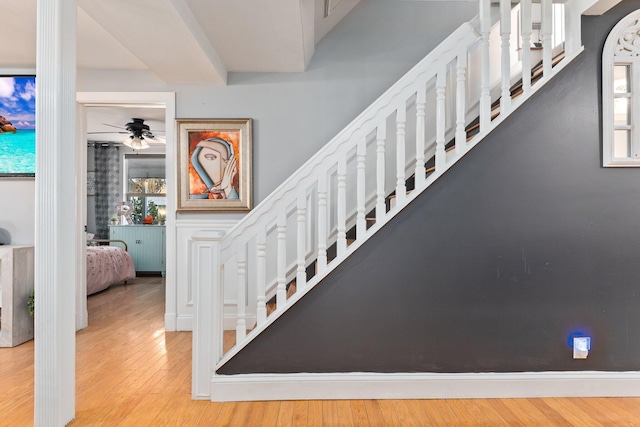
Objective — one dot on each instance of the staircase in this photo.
(362, 178)
(471, 130)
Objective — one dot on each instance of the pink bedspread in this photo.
(107, 265)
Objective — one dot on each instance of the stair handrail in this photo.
(286, 193)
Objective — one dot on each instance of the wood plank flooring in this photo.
(132, 373)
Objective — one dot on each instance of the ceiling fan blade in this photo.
(114, 126)
(95, 133)
(156, 138)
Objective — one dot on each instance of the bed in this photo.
(107, 265)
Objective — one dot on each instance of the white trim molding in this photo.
(623, 99)
(305, 386)
(181, 317)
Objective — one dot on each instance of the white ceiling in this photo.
(180, 41)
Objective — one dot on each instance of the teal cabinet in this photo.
(146, 244)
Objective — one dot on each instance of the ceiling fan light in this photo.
(128, 142)
(136, 143)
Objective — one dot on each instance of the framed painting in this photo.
(17, 126)
(214, 164)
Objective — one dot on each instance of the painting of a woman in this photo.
(215, 164)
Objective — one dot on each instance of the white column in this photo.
(525, 14)
(401, 120)
(547, 31)
(461, 105)
(420, 171)
(301, 273)
(208, 308)
(485, 65)
(57, 227)
(381, 136)
(441, 154)
(505, 34)
(361, 221)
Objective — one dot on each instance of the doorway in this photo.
(132, 103)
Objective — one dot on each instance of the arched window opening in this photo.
(621, 94)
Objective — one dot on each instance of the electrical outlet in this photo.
(581, 347)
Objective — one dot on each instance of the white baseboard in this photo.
(230, 320)
(252, 387)
(170, 323)
(184, 322)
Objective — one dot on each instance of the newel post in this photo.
(206, 282)
(573, 27)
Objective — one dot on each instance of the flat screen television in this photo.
(17, 126)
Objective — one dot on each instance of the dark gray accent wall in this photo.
(522, 243)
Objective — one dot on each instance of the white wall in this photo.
(17, 209)
(297, 113)
(294, 113)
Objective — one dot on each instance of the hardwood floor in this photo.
(132, 373)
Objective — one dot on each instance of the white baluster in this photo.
(301, 273)
(505, 34)
(241, 289)
(361, 221)
(547, 31)
(461, 107)
(281, 293)
(420, 171)
(322, 223)
(342, 205)
(485, 69)
(559, 38)
(261, 274)
(401, 120)
(381, 136)
(572, 28)
(525, 14)
(441, 154)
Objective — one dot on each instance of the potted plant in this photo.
(31, 306)
(152, 209)
(114, 220)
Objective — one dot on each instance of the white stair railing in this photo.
(318, 217)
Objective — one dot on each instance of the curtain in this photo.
(107, 171)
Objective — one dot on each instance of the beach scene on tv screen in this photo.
(17, 125)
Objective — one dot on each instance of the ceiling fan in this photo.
(140, 134)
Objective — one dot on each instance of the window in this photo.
(621, 94)
(146, 187)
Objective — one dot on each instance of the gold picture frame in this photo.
(214, 165)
